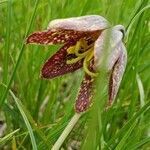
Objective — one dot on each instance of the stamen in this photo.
(90, 54)
(71, 49)
(82, 44)
(74, 50)
(81, 56)
(87, 55)
(74, 60)
(77, 46)
(86, 64)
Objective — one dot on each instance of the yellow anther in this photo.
(71, 49)
(77, 46)
(80, 44)
(86, 64)
(84, 43)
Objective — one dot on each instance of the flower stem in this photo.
(66, 131)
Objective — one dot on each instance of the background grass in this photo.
(41, 109)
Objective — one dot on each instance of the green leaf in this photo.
(20, 107)
(8, 137)
(122, 142)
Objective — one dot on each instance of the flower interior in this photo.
(83, 49)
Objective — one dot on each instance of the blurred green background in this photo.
(41, 109)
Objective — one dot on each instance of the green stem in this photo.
(66, 131)
(19, 57)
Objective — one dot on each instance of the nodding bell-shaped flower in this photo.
(83, 41)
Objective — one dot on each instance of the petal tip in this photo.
(29, 39)
(43, 74)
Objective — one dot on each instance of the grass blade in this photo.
(145, 108)
(134, 19)
(141, 90)
(125, 137)
(7, 137)
(20, 107)
(139, 144)
(19, 57)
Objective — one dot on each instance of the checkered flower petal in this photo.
(56, 65)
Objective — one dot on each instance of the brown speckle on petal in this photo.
(56, 65)
(85, 94)
(54, 36)
(117, 74)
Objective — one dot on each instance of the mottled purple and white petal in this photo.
(107, 44)
(117, 73)
(54, 36)
(56, 65)
(83, 23)
(83, 100)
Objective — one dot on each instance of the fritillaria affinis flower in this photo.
(83, 41)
